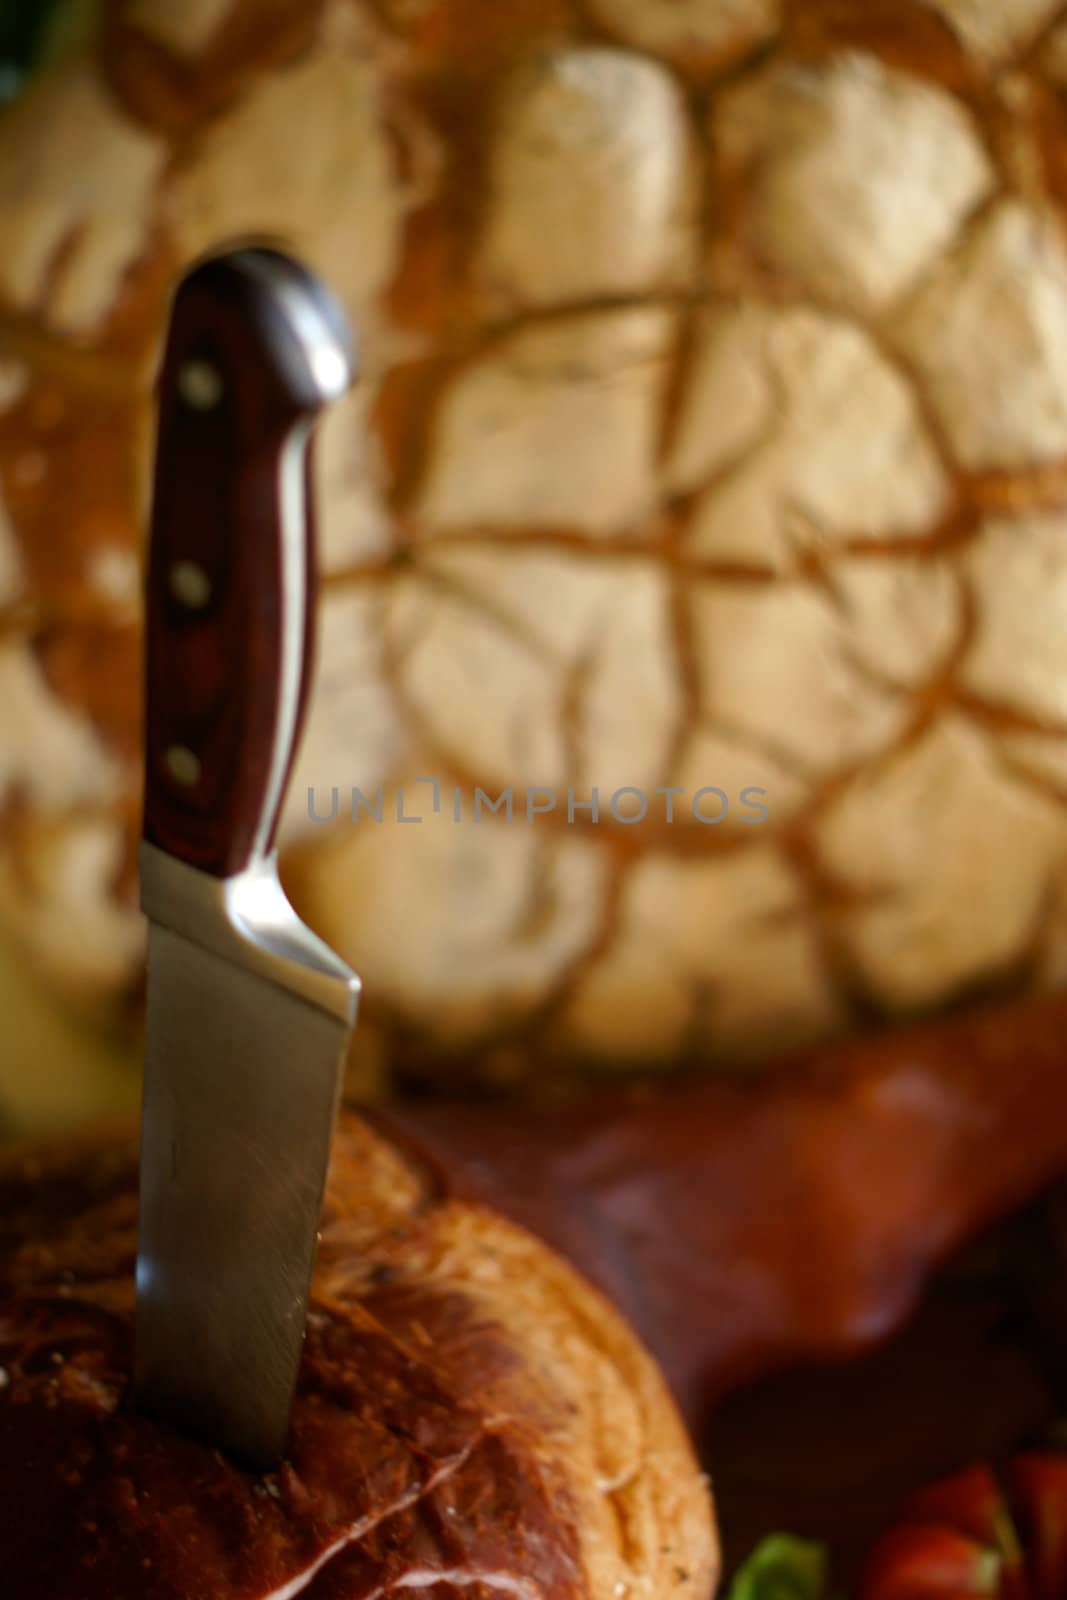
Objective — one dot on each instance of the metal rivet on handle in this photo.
(190, 585)
(183, 765)
(200, 385)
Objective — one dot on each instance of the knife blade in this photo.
(248, 1013)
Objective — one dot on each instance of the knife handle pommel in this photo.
(256, 347)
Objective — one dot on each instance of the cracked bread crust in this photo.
(472, 1419)
(712, 431)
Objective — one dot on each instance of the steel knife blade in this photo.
(248, 1013)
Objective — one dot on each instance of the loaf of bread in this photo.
(472, 1419)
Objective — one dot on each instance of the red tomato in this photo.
(972, 1538)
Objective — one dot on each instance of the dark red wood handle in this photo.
(256, 347)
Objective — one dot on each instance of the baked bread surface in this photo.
(472, 1419)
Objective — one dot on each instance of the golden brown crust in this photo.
(779, 294)
(471, 1415)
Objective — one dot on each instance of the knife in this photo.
(248, 1013)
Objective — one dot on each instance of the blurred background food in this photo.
(712, 434)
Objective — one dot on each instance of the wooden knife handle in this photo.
(256, 347)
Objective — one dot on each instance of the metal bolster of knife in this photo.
(247, 919)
